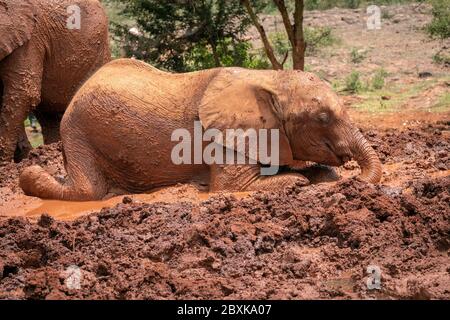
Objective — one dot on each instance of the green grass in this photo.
(398, 94)
(443, 103)
(36, 139)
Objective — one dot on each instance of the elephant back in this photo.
(17, 23)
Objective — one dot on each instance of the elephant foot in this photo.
(35, 181)
(319, 173)
(281, 181)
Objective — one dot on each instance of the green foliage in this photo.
(378, 79)
(317, 38)
(280, 43)
(231, 53)
(441, 58)
(357, 56)
(172, 32)
(439, 27)
(353, 83)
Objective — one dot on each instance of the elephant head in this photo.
(18, 20)
(314, 125)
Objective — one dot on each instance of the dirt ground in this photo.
(303, 242)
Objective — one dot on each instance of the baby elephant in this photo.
(117, 132)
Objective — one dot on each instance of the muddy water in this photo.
(69, 210)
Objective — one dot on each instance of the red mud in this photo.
(303, 242)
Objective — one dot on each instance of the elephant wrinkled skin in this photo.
(117, 130)
(43, 62)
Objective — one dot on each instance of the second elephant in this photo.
(48, 49)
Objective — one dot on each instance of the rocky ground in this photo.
(303, 242)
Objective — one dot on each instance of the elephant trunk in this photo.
(366, 157)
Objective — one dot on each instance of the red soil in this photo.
(302, 242)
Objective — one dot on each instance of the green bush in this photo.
(357, 56)
(353, 83)
(439, 27)
(280, 43)
(317, 38)
(441, 58)
(230, 54)
(378, 79)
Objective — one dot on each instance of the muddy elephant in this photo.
(48, 49)
(117, 133)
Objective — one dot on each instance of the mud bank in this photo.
(302, 242)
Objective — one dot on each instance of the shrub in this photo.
(353, 83)
(317, 38)
(230, 53)
(439, 27)
(357, 56)
(378, 79)
(441, 58)
(280, 43)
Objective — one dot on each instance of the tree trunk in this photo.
(267, 46)
(298, 52)
(294, 32)
(215, 55)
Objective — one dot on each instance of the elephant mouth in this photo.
(337, 159)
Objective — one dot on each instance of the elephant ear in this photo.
(17, 22)
(235, 99)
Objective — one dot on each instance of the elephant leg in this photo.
(317, 173)
(23, 147)
(21, 80)
(14, 111)
(85, 181)
(248, 178)
(50, 125)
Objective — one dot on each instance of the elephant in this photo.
(117, 132)
(48, 49)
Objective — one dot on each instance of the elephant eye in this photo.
(324, 117)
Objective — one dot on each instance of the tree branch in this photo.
(267, 46)
(286, 20)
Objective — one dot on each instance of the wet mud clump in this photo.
(303, 242)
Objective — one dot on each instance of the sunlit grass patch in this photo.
(393, 96)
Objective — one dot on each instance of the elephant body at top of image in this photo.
(117, 133)
(47, 50)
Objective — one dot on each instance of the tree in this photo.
(294, 31)
(169, 31)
